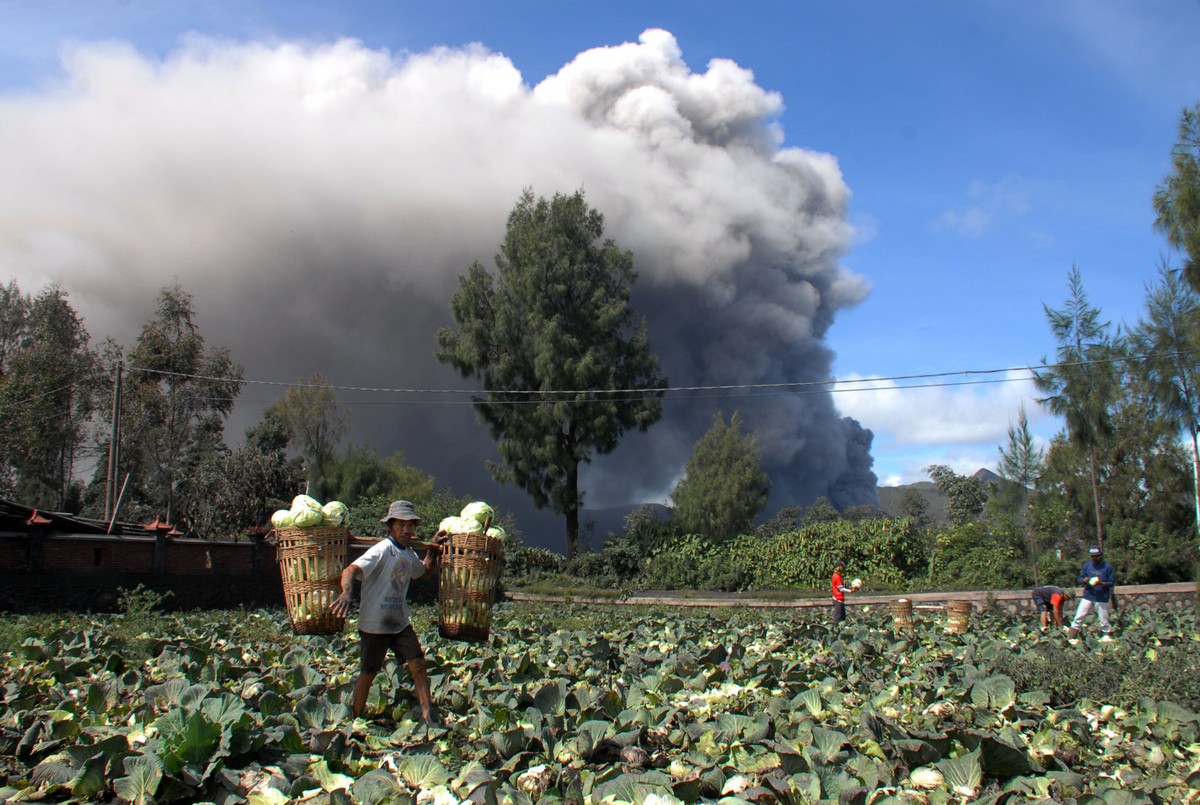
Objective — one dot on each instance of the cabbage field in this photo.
(576, 704)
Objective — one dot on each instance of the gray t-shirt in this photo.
(387, 569)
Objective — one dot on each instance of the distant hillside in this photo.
(891, 500)
(596, 524)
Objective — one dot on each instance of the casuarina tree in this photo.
(565, 364)
(1082, 384)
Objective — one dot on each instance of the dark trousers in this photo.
(839, 611)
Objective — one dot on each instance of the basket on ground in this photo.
(470, 575)
(311, 561)
(902, 614)
(959, 618)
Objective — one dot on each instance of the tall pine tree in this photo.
(565, 364)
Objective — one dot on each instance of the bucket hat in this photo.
(400, 510)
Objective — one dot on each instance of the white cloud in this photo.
(962, 426)
(986, 205)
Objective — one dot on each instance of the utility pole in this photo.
(114, 446)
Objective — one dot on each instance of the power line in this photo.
(820, 385)
(670, 393)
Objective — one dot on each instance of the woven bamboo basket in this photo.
(960, 617)
(902, 614)
(311, 561)
(467, 584)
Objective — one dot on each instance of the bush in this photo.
(595, 569)
(974, 556)
(885, 551)
(1146, 553)
(691, 562)
(524, 565)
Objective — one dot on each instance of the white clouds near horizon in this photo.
(921, 421)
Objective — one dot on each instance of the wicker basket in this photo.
(311, 561)
(960, 617)
(467, 584)
(902, 614)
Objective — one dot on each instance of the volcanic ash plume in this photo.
(319, 202)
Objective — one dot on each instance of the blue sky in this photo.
(986, 147)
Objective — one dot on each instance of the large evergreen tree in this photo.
(565, 364)
(1083, 382)
(724, 487)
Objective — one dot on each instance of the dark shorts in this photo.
(1044, 605)
(405, 645)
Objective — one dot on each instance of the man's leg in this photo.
(1085, 606)
(1102, 611)
(362, 689)
(839, 611)
(420, 675)
(407, 647)
(372, 652)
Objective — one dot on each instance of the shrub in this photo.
(596, 569)
(885, 551)
(691, 562)
(976, 556)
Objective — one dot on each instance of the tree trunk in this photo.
(1196, 476)
(572, 513)
(1096, 500)
(1033, 554)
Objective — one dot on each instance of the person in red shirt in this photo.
(840, 588)
(1048, 600)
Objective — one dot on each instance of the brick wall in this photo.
(211, 558)
(72, 571)
(98, 555)
(14, 553)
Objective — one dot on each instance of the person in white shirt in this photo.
(386, 569)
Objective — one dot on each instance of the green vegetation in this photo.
(590, 704)
(724, 487)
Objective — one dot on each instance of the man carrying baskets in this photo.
(386, 569)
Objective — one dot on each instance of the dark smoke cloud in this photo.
(320, 202)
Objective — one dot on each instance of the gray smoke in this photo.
(320, 202)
